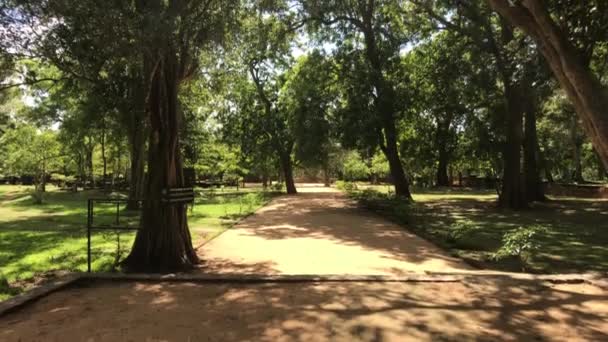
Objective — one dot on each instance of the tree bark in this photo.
(534, 186)
(512, 195)
(89, 159)
(400, 181)
(164, 243)
(443, 128)
(137, 181)
(137, 127)
(104, 158)
(442, 172)
(577, 147)
(326, 176)
(589, 97)
(385, 106)
(287, 168)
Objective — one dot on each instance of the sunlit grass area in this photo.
(37, 239)
(574, 234)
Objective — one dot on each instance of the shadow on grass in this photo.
(576, 237)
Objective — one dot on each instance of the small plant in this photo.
(250, 200)
(522, 243)
(346, 186)
(277, 186)
(461, 229)
(38, 195)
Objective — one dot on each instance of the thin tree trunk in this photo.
(402, 185)
(104, 158)
(287, 168)
(89, 158)
(326, 176)
(43, 177)
(164, 243)
(441, 137)
(385, 109)
(577, 146)
(442, 178)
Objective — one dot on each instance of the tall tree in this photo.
(173, 34)
(379, 29)
(260, 59)
(568, 46)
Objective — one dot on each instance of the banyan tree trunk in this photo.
(164, 243)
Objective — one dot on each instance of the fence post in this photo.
(89, 217)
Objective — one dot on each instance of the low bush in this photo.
(277, 186)
(346, 186)
(38, 196)
(461, 230)
(393, 207)
(522, 243)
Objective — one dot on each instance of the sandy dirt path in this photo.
(321, 231)
(480, 309)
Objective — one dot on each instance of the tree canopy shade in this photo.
(411, 92)
(160, 41)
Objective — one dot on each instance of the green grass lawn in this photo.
(575, 237)
(36, 240)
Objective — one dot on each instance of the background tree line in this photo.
(412, 92)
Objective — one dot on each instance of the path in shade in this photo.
(321, 231)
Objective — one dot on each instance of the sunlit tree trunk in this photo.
(164, 242)
(385, 109)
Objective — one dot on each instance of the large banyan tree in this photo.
(173, 33)
(162, 37)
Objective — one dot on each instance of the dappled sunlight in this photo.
(574, 238)
(481, 307)
(324, 233)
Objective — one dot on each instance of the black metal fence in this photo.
(174, 196)
(116, 226)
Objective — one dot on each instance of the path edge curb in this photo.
(27, 297)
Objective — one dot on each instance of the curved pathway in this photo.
(321, 231)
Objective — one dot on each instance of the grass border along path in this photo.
(562, 235)
(38, 242)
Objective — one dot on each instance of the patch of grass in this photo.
(35, 239)
(468, 224)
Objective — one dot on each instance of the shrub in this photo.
(460, 230)
(522, 243)
(38, 196)
(346, 186)
(250, 200)
(277, 186)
